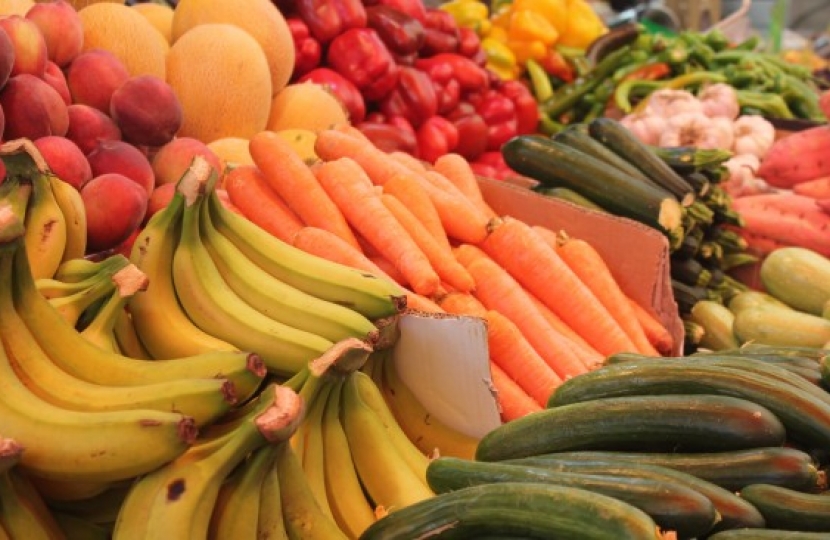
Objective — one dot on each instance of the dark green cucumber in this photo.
(555, 164)
(806, 417)
(567, 194)
(689, 159)
(778, 465)
(783, 350)
(672, 506)
(621, 140)
(516, 509)
(699, 182)
(734, 511)
(658, 423)
(766, 534)
(784, 508)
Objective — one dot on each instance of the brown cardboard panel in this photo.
(638, 255)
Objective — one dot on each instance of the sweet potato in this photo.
(818, 188)
(798, 157)
(790, 219)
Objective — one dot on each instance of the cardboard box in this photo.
(444, 359)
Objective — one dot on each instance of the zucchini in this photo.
(689, 159)
(781, 326)
(618, 138)
(557, 165)
(732, 470)
(751, 349)
(717, 321)
(799, 277)
(806, 417)
(567, 194)
(784, 508)
(678, 422)
(687, 295)
(672, 506)
(699, 182)
(751, 299)
(516, 509)
(734, 511)
(766, 534)
(689, 271)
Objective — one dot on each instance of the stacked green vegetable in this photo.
(602, 165)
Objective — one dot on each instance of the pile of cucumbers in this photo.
(720, 446)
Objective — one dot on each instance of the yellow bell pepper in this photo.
(500, 58)
(469, 14)
(554, 11)
(528, 25)
(584, 25)
(527, 50)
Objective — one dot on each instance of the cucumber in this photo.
(781, 326)
(799, 277)
(766, 534)
(717, 321)
(658, 423)
(752, 298)
(567, 194)
(689, 159)
(734, 511)
(621, 140)
(788, 509)
(516, 509)
(732, 470)
(806, 418)
(672, 506)
(556, 165)
(752, 349)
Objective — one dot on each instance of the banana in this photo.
(101, 509)
(126, 338)
(4, 534)
(270, 521)
(72, 207)
(75, 270)
(383, 471)
(23, 513)
(10, 451)
(236, 513)
(177, 500)
(277, 299)
(101, 329)
(75, 355)
(369, 295)
(219, 311)
(313, 459)
(73, 306)
(55, 490)
(428, 433)
(351, 510)
(160, 322)
(76, 528)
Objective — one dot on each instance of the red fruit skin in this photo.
(147, 110)
(125, 159)
(55, 78)
(88, 126)
(29, 45)
(33, 108)
(115, 207)
(93, 76)
(6, 57)
(65, 160)
(61, 27)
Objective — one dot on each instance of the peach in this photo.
(115, 207)
(6, 57)
(29, 45)
(2, 123)
(65, 159)
(55, 78)
(33, 108)
(61, 27)
(88, 125)
(159, 198)
(123, 158)
(173, 159)
(147, 110)
(93, 76)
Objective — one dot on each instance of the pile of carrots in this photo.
(552, 306)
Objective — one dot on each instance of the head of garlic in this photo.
(754, 135)
(698, 130)
(667, 102)
(719, 100)
(646, 127)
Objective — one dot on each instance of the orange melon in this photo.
(15, 7)
(221, 76)
(305, 106)
(159, 15)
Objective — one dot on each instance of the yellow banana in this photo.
(270, 522)
(236, 513)
(75, 270)
(275, 298)
(73, 306)
(127, 339)
(369, 295)
(384, 472)
(4, 534)
(427, 432)
(55, 490)
(351, 510)
(72, 207)
(101, 329)
(219, 311)
(160, 322)
(75, 355)
(101, 509)
(313, 459)
(10, 451)
(76, 528)
(23, 513)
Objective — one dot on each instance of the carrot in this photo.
(289, 176)
(588, 265)
(332, 144)
(657, 334)
(409, 161)
(388, 268)
(461, 220)
(498, 291)
(758, 244)
(513, 402)
(351, 190)
(517, 248)
(417, 302)
(787, 218)
(818, 188)
(581, 348)
(459, 303)
(458, 171)
(441, 259)
(412, 194)
(254, 198)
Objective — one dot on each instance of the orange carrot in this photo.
(441, 259)
(332, 144)
(588, 265)
(459, 303)
(251, 194)
(517, 248)
(512, 400)
(457, 170)
(409, 161)
(417, 302)
(657, 334)
(818, 188)
(498, 291)
(412, 194)
(291, 177)
(347, 184)
(461, 219)
(388, 268)
(589, 356)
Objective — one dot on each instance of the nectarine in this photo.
(172, 160)
(125, 159)
(115, 207)
(65, 159)
(93, 76)
(147, 110)
(88, 125)
(33, 108)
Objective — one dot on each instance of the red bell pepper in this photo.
(413, 8)
(472, 136)
(469, 44)
(447, 89)
(527, 109)
(414, 97)
(492, 165)
(329, 18)
(359, 55)
(556, 65)
(441, 33)
(390, 137)
(470, 76)
(436, 136)
(307, 49)
(402, 33)
(343, 88)
(499, 112)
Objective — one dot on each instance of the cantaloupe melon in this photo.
(302, 141)
(15, 7)
(232, 151)
(221, 76)
(306, 105)
(159, 15)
